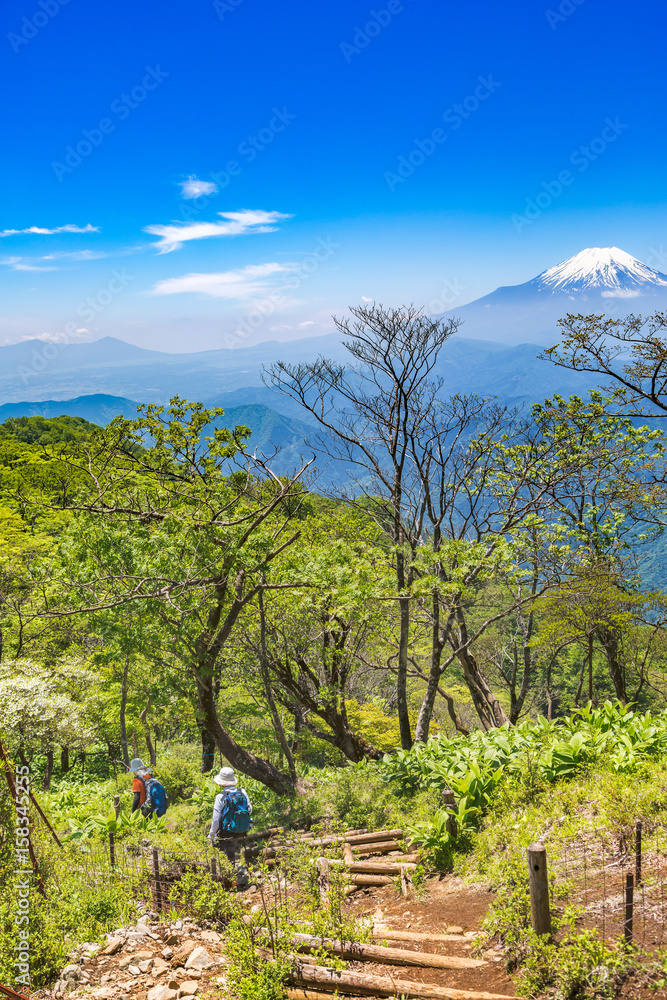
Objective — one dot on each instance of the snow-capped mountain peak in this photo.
(602, 269)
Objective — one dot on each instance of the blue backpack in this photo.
(156, 798)
(235, 816)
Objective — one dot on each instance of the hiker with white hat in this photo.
(232, 811)
(139, 770)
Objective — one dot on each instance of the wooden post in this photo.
(348, 854)
(638, 853)
(116, 805)
(156, 876)
(112, 850)
(629, 907)
(539, 888)
(449, 802)
(214, 869)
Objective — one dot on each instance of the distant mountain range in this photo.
(99, 379)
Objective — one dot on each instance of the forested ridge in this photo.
(165, 593)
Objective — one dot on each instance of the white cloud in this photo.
(241, 284)
(308, 322)
(38, 230)
(193, 187)
(75, 255)
(238, 223)
(364, 298)
(18, 264)
(621, 293)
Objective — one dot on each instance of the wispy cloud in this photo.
(244, 283)
(75, 255)
(621, 293)
(194, 188)
(40, 231)
(19, 264)
(237, 224)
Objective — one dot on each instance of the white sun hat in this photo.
(226, 777)
(136, 764)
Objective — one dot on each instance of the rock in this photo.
(71, 972)
(145, 965)
(454, 929)
(134, 970)
(173, 984)
(161, 993)
(159, 965)
(114, 945)
(191, 974)
(199, 959)
(211, 937)
(70, 985)
(188, 988)
(182, 954)
(168, 953)
(172, 939)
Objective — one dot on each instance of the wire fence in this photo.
(616, 880)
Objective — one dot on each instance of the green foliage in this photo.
(475, 766)
(46, 430)
(198, 895)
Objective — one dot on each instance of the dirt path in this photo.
(447, 906)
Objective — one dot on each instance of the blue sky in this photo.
(381, 151)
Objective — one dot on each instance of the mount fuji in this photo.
(595, 280)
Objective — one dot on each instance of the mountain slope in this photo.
(596, 280)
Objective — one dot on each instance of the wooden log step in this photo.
(300, 994)
(386, 934)
(364, 984)
(375, 867)
(383, 847)
(371, 880)
(358, 838)
(354, 951)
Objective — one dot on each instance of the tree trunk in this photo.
(590, 668)
(486, 704)
(48, 770)
(64, 760)
(426, 710)
(273, 709)
(611, 645)
(403, 648)
(243, 760)
(123, 705)
(207, 750)
(147, 734)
